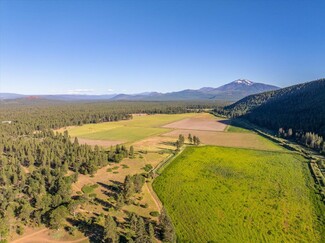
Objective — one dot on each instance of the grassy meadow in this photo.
(239, 195)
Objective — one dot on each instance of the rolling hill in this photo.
(300, 107)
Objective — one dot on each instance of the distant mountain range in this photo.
(230, 92)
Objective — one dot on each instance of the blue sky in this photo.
(135, 46)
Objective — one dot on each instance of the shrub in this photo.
(88, 188)
(154, 213)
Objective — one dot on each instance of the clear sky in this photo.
(90, 46)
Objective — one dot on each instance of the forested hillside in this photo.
(300, 107)
(37, 165)
(297, 111)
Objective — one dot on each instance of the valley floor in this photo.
(242, 156)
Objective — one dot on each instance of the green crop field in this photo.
(129, 130)
(223, 194)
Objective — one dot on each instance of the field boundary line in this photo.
(154, 196)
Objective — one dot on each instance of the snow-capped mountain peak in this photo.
(243, 81)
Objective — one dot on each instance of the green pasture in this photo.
(218, 194)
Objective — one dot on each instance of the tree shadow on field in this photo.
(103, 203)
(117, 183)
(168, 143)
(235, 123)
(94, 232)
(227, 122)
(110, 190)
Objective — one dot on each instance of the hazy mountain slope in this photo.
(301, 107)
(4, 96)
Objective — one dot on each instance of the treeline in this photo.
(309, 139)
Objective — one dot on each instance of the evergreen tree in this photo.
(151, 232)
(167, 228)
(57, 217)
(141, 233)
(190, 138)
(131, 152)
(110, 230)
(194, 140)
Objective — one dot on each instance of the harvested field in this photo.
(203, 124)
(102, 143)
(242, 140)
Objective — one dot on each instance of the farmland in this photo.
(231, 194)
(157, 132)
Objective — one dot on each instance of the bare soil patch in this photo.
(204, 124)
(102, 143)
